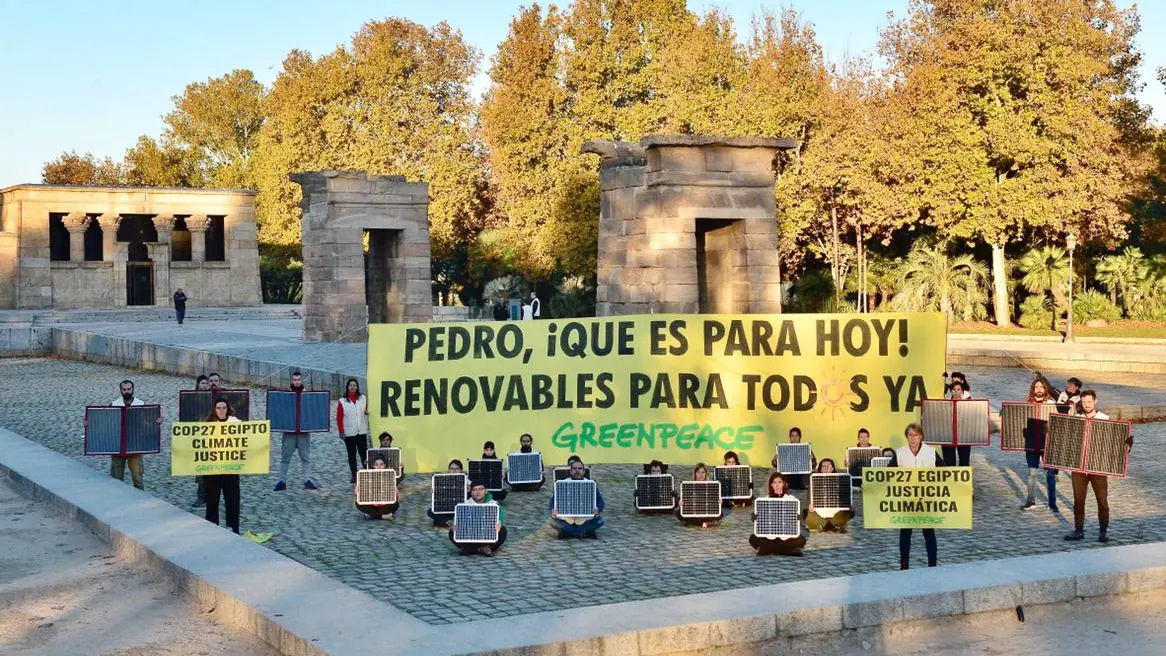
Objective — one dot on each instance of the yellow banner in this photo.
(678, 388)
(220, 447)
(917, 497)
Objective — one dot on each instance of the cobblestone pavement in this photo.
(408, 563)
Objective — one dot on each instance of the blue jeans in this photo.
(576, 530)
(1050, 479)
(293, 442)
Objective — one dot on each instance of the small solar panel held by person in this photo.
(881, 461)
(447, 491)
(488, 471)
(777, 518)
(861, 455)
(1092, 446)
(1023, 425)
(830, 493)
(575, 498)
(564, 472)
(794, 458)
(1065, 442)
(737, 481)
(654, 492)
(956, 422)
(700, 499)
(524, 468)
(123, 431)
(376, 487)
(299, 412)
(390, 454)
(476, 522)
(196, 405)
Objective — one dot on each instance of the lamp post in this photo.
(1071, 242)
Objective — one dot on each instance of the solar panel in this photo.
(830, 493)
(1065, 442)
(563, 472)
(196, 405)
(654, 492)
(376, 487)
(1105, 451)
(794, 458)
(119, 431)
(956, 422)
(299, 412)
(737, 481)
(700, 499)
(447, 491)
(862, 455)
(391, 455)
(777, 517)
(1023, 425)
(488, 471)
(524, 468)
(938, 419)
(476, 522)
(575, 498)
(880, 461)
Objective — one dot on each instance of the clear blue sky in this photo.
(92, 76)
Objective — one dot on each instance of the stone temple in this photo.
(64, 246)
(686, 225)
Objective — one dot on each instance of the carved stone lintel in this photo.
(198, 223)
(76, 221)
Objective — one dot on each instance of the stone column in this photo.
(198, 224)
(76, 223)
(160, 254)
(109, 223)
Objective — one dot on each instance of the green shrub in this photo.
(1036, 312)
(1092, 305)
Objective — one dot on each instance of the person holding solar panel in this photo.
(777, 489)
(117, 464)
(855, 469)
(578, 527)
(480, 496)
(797, 481)
(834, 523)
(443, 520)
(295, 443)
(1099, 482)
(378, 510)
(1039, 391)
(526, 445)
(226, 485)
(700, 472)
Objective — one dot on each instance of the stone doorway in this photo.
(720, 260)
(384, 273)
(139, 283)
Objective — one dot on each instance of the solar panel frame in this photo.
(861, 455)
(448, 490)
(103, 430)
(956, 422)
(575, 499)
(937, 417)
(1065, 442)
(830, 493)
(881, 461)
(777, 517)
(390, 454)
(376, 487)
(143, 430)
(476, 523)
(798, 458)
(655, 492)
(309, 411)
(523, 468)
(196, 405)
(488, 471)
(740, 481)
(1023, 425)
(114, 430)
(1106, 452)
(700, 500)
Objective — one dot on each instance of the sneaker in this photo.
(280, 486)
(309, 485)
(1028, 506)
(198, 503)
(1103, 536)
(1075, 536)
(353, 479)
(1056, 510)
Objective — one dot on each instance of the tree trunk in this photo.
(999, 287)
(835, 269)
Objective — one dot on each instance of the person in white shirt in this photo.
(1099, 482)
(352, 424)
(117, 464)
(916, 454)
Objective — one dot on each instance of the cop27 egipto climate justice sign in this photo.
(678, 388)
(220, 447)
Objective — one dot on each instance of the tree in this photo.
(1045, 270)
(220, 120)
(932, 280)
(1123, 275)
(152, 164)
(73, 169)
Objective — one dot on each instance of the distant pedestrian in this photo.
(535, 306)
(527, 312)
(180, 304)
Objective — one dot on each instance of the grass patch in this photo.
(1125, 328)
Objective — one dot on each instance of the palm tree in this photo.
(1122, 274)
(931, 279)
(1046, 271)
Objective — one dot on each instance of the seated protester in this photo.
(836, 522)
(731, 459)
(768, 546)
(578, 527)
(378, 511)
(855, 469)
(442, 520)
(888, 452)
(797, 481)
(699, 473)
(657, 468)
(489, 454)
(480, 496)
(386, 442)
(526, 445)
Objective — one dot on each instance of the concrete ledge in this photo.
(983, 357)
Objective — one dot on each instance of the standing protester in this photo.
(1072, 395)
(202, 384)
(535, 306)
(778, 486)
(295, 442)
(1099, 482)
(180, 306)
(117, 464)
(578, 527)
(480, 497)
(352, 424)
(916, 454)
(216, 381)
(225, 484)
(1038, 392)
(958, 456)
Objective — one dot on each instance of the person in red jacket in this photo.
(352, 424)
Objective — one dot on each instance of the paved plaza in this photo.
(411, 565)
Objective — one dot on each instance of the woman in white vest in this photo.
(352, 423)
(916, 454)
